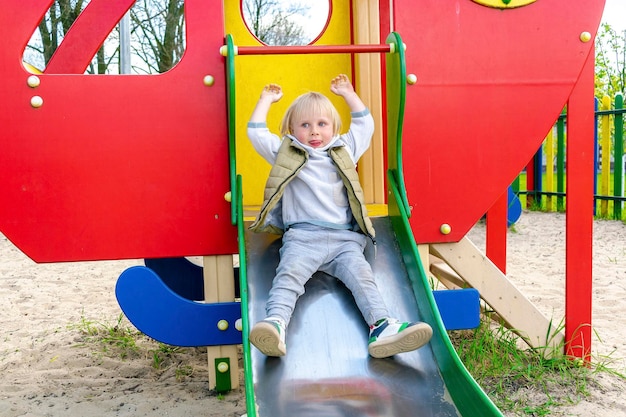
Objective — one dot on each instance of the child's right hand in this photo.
(272, 92)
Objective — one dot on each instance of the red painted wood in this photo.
(136, 166)
(579, 215)
(114, 167)
(490, 83)
(311, 49)
(496, 232)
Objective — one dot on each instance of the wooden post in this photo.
(368, 79)
(219, 286)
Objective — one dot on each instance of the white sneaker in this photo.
(389, 337)
(269, 336)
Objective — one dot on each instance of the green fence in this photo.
(542, 184)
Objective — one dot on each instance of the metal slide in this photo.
(327, 370)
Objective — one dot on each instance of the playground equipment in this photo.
(157, 178)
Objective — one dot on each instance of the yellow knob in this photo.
(585, 37)
(33, 81)
(36, 101)
(222, 367)
(222, 325)
(445, 229)
(208, 80)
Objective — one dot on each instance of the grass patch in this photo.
(112, 339)
(522, 380)
(120, 340)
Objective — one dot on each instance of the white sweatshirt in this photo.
(317, 196)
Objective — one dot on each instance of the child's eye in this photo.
(322, 124)
(305, 125)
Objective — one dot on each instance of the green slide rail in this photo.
(467, 395)
(237, 220)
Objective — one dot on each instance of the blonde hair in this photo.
(307, 104)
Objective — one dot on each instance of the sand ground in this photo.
(50, 365)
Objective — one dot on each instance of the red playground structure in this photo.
(143, 166)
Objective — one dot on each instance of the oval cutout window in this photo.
(151, 39)
(286, 22)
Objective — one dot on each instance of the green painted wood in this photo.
(245, 318)
(560, 163)
(618, 172)
(232, 122)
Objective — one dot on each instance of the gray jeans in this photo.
(339, 253)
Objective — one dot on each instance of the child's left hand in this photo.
(341, 85)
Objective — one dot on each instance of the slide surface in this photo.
(327, 370)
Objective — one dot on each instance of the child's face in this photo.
(314, 131)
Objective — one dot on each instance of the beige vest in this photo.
(289, 162)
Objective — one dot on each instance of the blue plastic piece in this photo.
(184, 277)
(180, 275)
(459, 309)
(156, 310)
(514, 208)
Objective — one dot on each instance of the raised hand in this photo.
(341, 85)
(273, 92)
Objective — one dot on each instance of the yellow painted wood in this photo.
(373, 210)
(297, 74)
(605, 169)
(377, 210)
(550, 184)
(501, 294)
(219, 286)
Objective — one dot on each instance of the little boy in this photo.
(314, 199)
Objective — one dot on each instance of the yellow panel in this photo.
(373, 210)
(297, 74)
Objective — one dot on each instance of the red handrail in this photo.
(310, 49)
